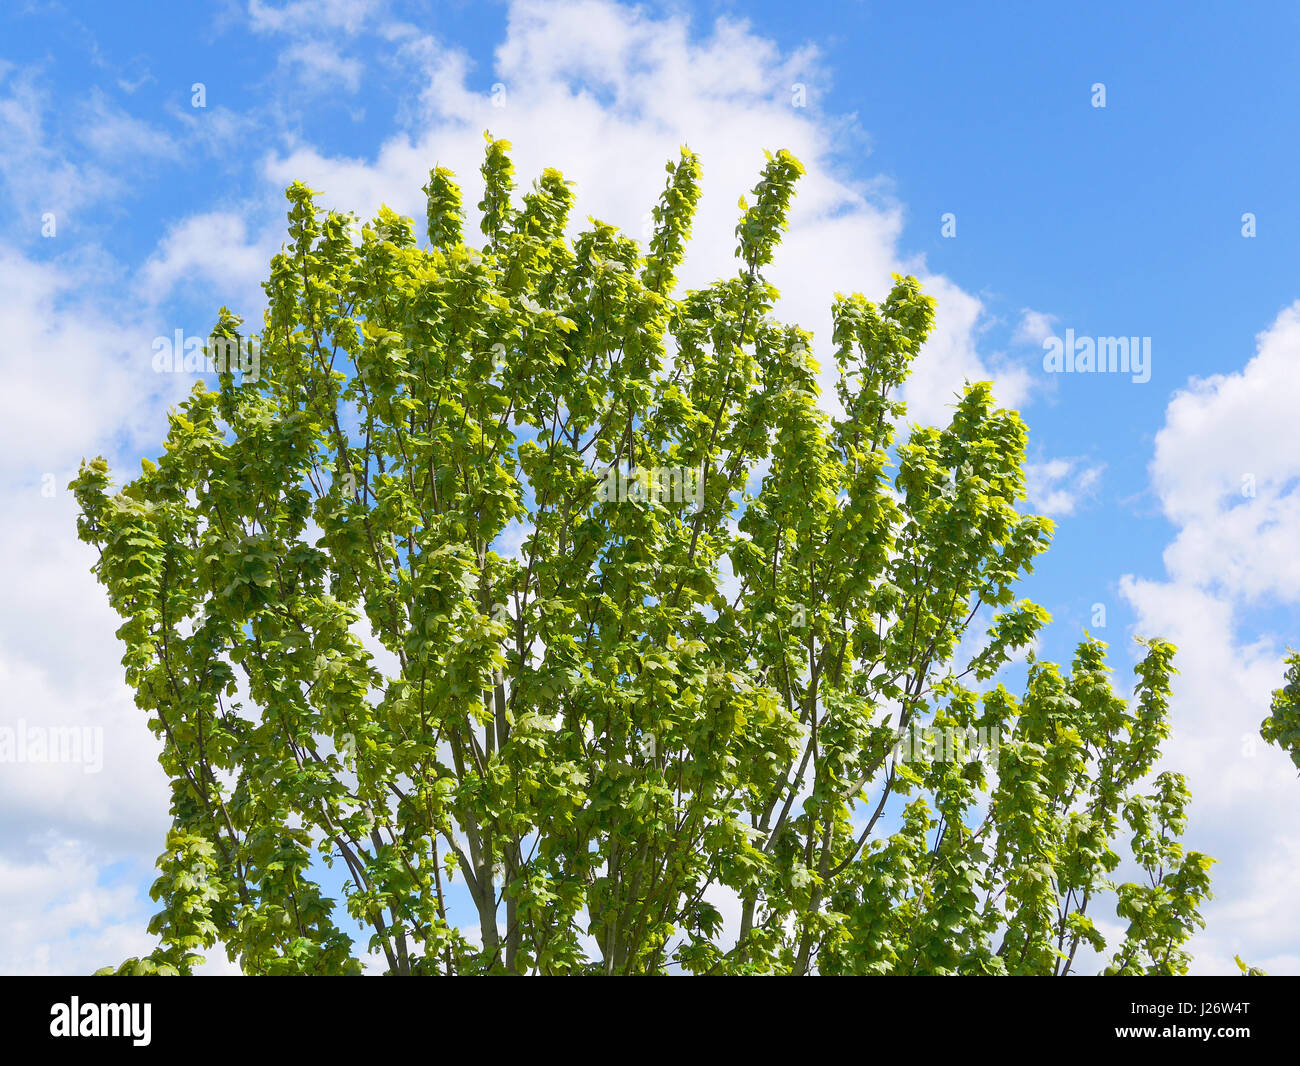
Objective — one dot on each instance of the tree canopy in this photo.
(545, 607)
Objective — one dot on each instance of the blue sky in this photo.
(1123, 220)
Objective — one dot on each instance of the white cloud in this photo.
(608, 94)
(77, 374)
(299, 16)
(1228, 557)
(37, 173)
(323, 66)
(114, 134)
(1034, 328)
(1058, 486)
(78, 381)
(212, 249)
(1227, 470)
(313, 28)
(60, 916)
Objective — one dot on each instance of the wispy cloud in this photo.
(1058, 486)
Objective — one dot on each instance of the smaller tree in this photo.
(1282, 726)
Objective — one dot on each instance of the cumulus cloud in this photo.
(1233, 553)
(79, 382)
(62, 915)
(1227, 478)
(209, 249)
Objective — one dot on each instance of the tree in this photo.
(1282, 726)
(726, 662)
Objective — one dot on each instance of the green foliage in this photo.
(655, 704)
(1282, 726)
(1248, 971)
